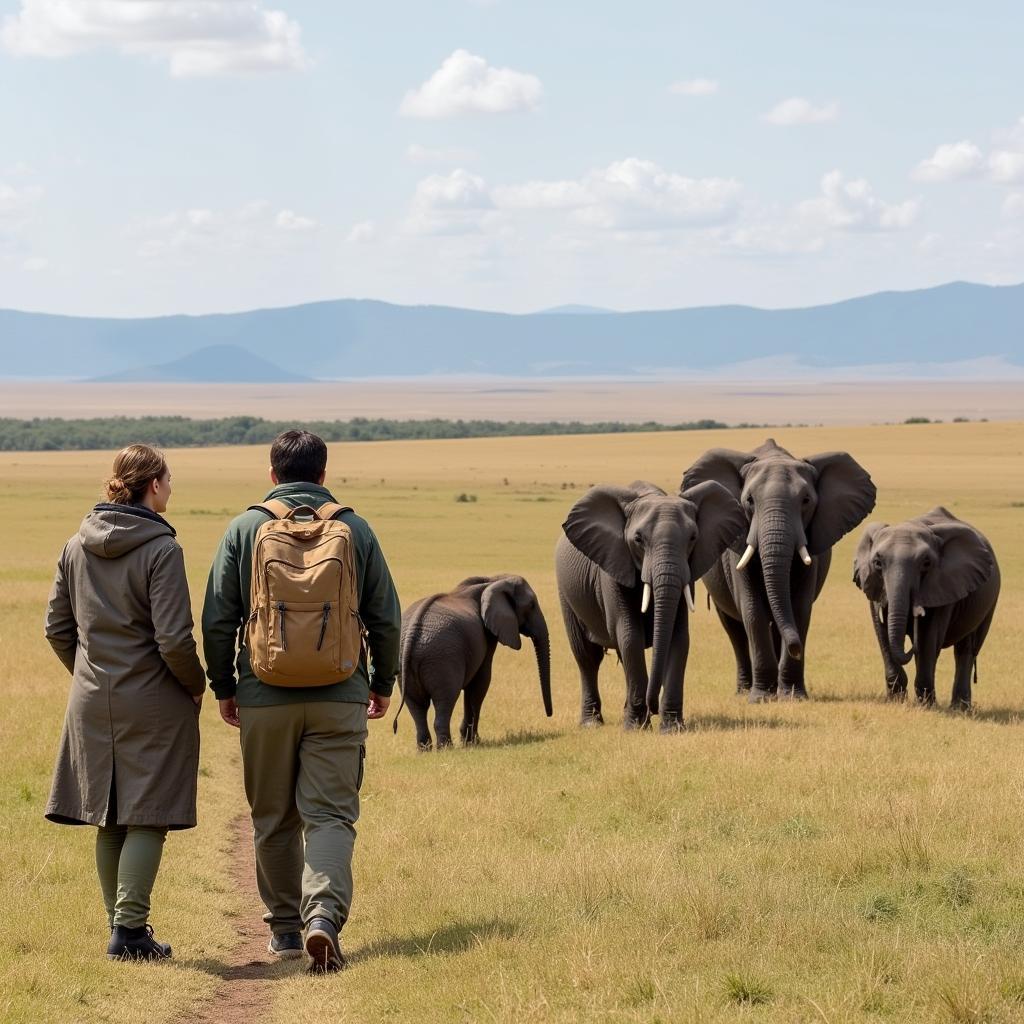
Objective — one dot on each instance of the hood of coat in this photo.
(111, 531)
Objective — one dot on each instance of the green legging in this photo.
(127, 859)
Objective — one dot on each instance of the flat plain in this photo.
(752, 398)
(836, 861)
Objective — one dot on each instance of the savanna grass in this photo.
(841, 860)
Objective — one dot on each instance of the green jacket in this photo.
(226, 610)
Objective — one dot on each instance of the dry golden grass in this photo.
(844, 860)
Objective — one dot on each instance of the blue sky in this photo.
(163, 156)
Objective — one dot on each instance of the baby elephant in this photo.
(448, 643)
(936, 579)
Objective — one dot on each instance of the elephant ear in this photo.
(596, 526)
(845, 497)
(498, 610)
(720, 520)
(865, 575)
(966, 562)
(723, 465)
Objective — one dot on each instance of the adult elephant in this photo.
(940, 574)
(448, 644)
(764, 587)
(625, 567)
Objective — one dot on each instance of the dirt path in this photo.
(242, 996)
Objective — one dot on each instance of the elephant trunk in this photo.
(668, 592)
(777, 546)
(899, 608)
(542, 648)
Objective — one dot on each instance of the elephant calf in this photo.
(936, 579)
(448, 643)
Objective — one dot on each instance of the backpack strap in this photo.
(331, 510)
(275, 508)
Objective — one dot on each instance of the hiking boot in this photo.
(136, 944)
(286, 945)
(323, 946)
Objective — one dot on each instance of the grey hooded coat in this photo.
(120, 620)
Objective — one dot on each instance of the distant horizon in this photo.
(562, 309)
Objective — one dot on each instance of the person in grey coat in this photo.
(120, 620)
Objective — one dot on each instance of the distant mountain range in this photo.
(949, 324)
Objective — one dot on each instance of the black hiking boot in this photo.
(323, 946)
(136, 944)
(286, 945)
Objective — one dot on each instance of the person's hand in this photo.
(229, 711)
(197, 699)
(378, 705)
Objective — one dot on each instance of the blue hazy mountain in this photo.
(362, 338)
(214, 364)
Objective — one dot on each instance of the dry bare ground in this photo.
(635, 400)
(844, 860)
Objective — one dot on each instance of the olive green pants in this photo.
(303, 766)
(127, 860)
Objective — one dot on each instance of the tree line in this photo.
(55, 434)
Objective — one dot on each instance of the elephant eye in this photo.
(750, 501)
(638, 537)
(876, 562)
(926, 564)
(806, 499)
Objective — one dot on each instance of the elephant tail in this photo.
(410, 638)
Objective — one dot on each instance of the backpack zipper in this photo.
(323, 627)
(284, 639)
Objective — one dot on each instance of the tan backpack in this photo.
(304, 627)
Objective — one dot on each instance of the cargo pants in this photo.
(303, 765)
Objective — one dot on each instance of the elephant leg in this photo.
(963, 653)
(636, 714)
(418, 710)
(757, 624)
(741, 650)
(926, 655)
(588, 657)
(791, 670)
(670, 710)
(444, 708)
(895, 676)
(472, 702)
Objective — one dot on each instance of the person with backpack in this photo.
(120, 620)
(301, 627)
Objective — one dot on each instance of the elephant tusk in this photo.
(747, 556)
(688, 591)
(918, 612)
(804, 556)
(646, 602)
(881, 615)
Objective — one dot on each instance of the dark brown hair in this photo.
(134, 468)
(298, 455)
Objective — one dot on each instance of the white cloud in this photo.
(34, 264)
(289, 220)
(250, 227)
(466, 84)
(15, 201)
(364, 231)
(1006, 167)
(930, 244)
(1013, 206)
(418, 154)
(195, 37)
(630, 195)
(797, 110)
(694, 87)
(853, 206)
(952, 161)
(450, 204)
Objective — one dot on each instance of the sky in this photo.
(193, 156)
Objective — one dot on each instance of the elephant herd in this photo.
(758, 527)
